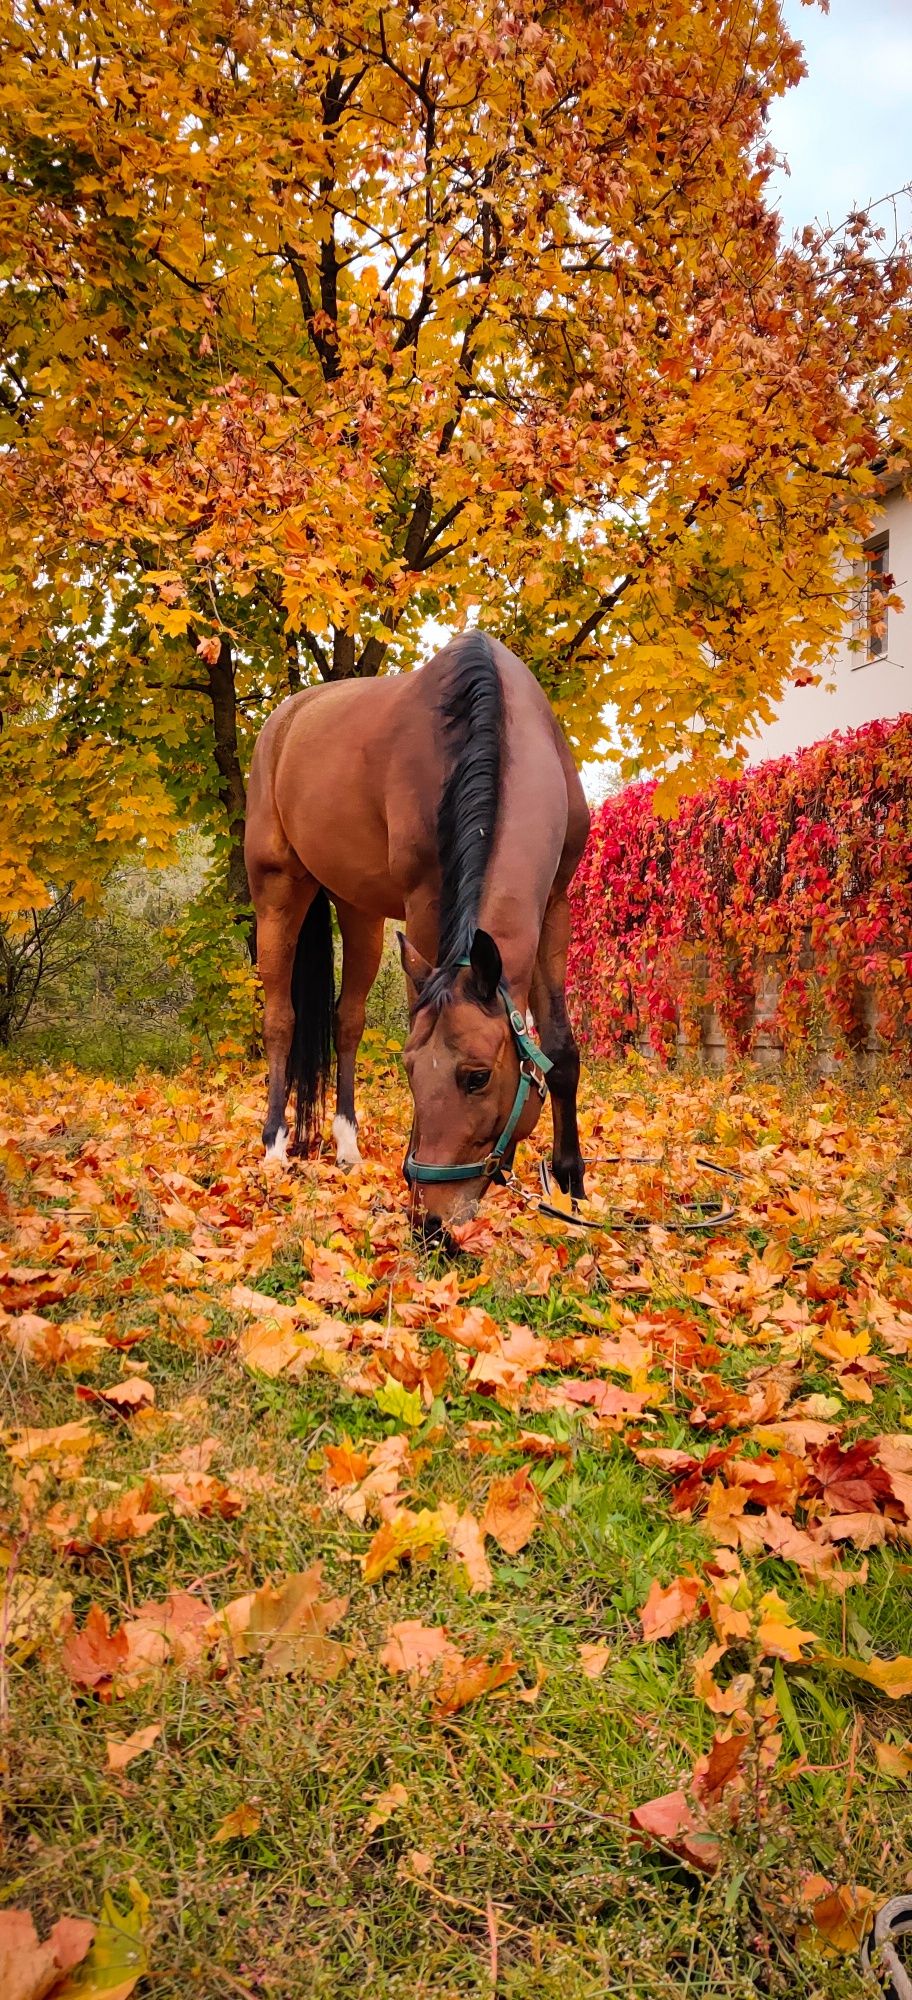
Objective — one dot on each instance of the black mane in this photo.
(471, 714)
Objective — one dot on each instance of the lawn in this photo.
(533, 1624)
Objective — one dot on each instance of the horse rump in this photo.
(313, 996)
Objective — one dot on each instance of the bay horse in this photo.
(447, 797)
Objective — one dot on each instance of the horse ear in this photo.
(414, 966)
(486, 964)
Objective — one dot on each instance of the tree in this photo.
(323, 321)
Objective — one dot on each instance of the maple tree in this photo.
(806, 859)
(321, 324)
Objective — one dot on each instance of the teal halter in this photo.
(533, 1068)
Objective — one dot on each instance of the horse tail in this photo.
(313, 995)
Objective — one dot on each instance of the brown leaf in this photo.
(239, 1824)
(412, 1648)
(512, 1511)
(285, 1626)
(721, 1767)
(594, 1659)
(465, 1537)
(892, 1760)
(121, 1750)
(29, 1970)
(385, 1804)
(842, 1916)
(462, 1681)
(668, 1609)
(670, 1821)
(126, 1397)
(92, 1656)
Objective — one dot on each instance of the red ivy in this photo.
(808, 858)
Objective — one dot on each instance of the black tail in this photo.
(313, 993)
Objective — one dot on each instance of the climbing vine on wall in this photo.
(804, 863)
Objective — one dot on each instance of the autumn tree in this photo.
(323, 322)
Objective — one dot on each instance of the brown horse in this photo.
(447, 797)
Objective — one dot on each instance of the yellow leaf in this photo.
(239, 1824)
(122, 1750)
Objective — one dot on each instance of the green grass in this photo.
(517, 1812)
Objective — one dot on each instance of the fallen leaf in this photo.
(239, 1824)
(92, 1656)
(669, 1608)
(465, 1680)
(117, 1958)
(63, 1444)
(843, 1915)
(465, 1537)
(285, 1626)
(891, 1677)
(670, 1821)
(122, 1750)
(385, 1804)
(512, 1511)
(29, 1970)
(405, 1536)
(412, 1648)
(594, 1659)
(32, 1609)
(126, 1397)
(892, 1760)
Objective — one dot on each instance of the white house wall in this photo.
(854, 690)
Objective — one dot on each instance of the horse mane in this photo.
(471, 714)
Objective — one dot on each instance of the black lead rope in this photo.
(700, 1216)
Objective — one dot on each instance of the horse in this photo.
(449, 798)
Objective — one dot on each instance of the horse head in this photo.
(474, 1088)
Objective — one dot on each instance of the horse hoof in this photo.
(346, 1137)
(276, 1152)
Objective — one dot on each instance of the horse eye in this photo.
(478, 1079)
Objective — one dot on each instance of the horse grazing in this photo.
(447, 797)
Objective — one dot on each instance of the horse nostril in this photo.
(434, 1235)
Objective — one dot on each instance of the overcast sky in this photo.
(846, 131)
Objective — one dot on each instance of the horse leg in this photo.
(282, 901)
(362, 949)
(549, 1005)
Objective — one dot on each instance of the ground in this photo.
(533, 1624)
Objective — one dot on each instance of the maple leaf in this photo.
(61, 1447)
(127, 1519)
(117, 1957)
(29, 1970)
(383, 1806)
(512, 1510)
(594, 1659)
(346, 1465)
(842, 1916)
(463, 1681)
(32, 1609)
(121, 1751)
(239, 1824)
(778, 1634)
(891, 1677)
(466, 1538)
(199, 1495)
(285, 1626)
(92, 1656)
(412, 1648)
(406, 1536)
(722, 1765)
(672, 1822)
(669, 1608)
(126, 1397)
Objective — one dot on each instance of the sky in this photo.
(846, 131)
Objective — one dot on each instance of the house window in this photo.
(877, 585)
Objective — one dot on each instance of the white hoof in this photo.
(278, 1151)
(346, 1138)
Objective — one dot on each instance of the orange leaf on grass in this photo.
(465, 1538)
(91, 1657)
(721, 1766)
(670, 1821)
(406, 1536)
(465, 1680)
(412, 1648)
(239, 1824)
(841, 1915)
(893, 1760)
(593, 1660)
(122, 1750)
(670, 1607)
(512, 1511)
(891, 1677)
(285, 1625)
(126, 1397)
(197, 1496)
(29, 1970)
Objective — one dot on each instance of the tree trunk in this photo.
(232, 792)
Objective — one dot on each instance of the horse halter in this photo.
(533, 1068)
